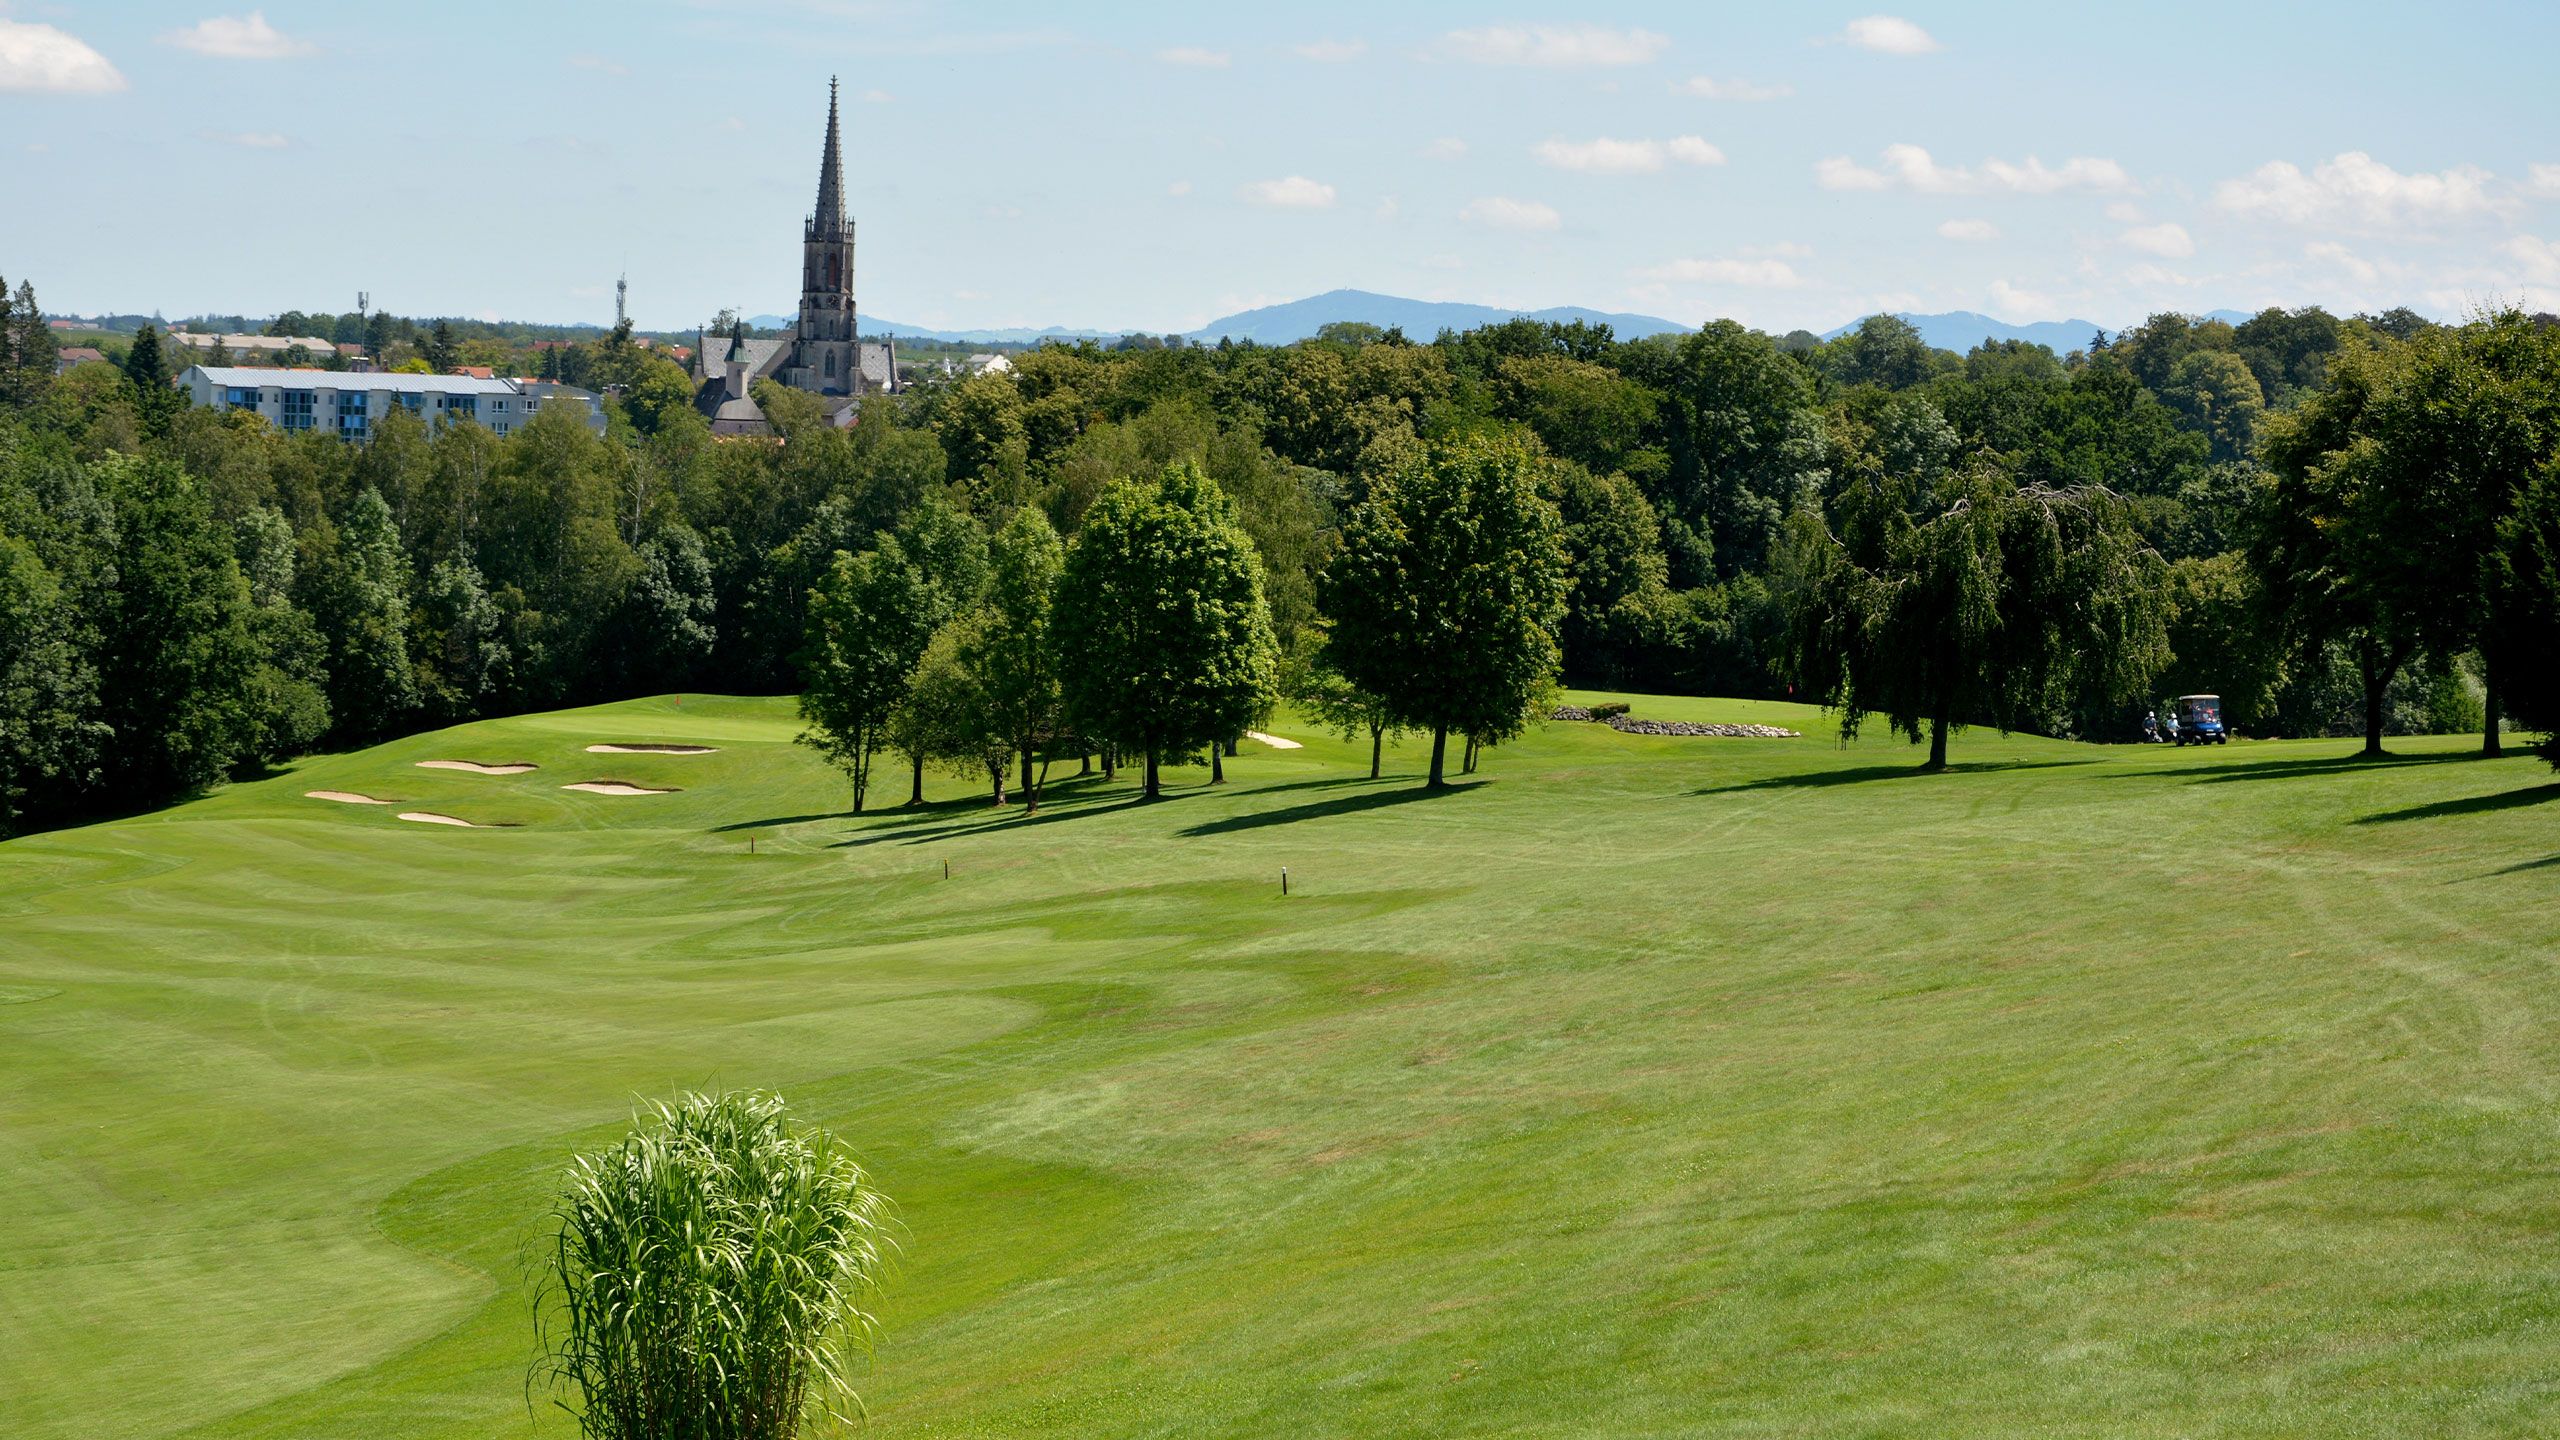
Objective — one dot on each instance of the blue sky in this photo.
(1153, 166)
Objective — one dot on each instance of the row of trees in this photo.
(2409, 510)
(1736, 514)
(1150, 635)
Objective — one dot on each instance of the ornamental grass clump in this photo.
(709, 1276)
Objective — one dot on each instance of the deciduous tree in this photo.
(1447, 591)
(1977, 601)
(1010, 651)
(1164, 641)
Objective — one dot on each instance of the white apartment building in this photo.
(269, 345)
(346, 403)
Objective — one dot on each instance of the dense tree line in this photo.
(2342, 526)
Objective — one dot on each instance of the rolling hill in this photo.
(1635, 1087)
(1421, 319)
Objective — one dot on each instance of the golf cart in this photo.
(2199, 720)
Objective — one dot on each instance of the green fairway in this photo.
(1636, 1087)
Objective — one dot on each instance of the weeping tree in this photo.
(1971, 600)
(709, 1275)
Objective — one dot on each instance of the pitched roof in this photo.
(828, 218)
(374, 381)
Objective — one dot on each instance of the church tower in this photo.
(823, 349)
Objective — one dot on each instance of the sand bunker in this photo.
(343, 797)
(1274, 741)
(511, 767)
(653, 749)
(429, 817)
(615, 787)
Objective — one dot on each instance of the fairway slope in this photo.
(1636, 1085)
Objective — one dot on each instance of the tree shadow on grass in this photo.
(1340, 805)
(773, 820)
(2224, 774)
(903, 816)
(2472, 805)
(1860, 774)
(982, 818)
(2545, 863)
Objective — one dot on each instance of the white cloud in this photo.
(2169, 240)
(41, 58)
(1196, 57)
(598, 63)
(1178, 188)
(2540, 258)
(1627, 157)
(1745, 274)
(2149, 274)
(2364, 271)
(1968, 230)
(2015, 304)
(1501, 212)
(2355, 188)
(1387, 209)
(1888, 35)
(1331, 52)
(1558, 45)
(237, 37)
(1784, 249)
(2125, 212)
(1447, 147)
(1842, 173)
(1913, 168)
(248, 139)
(1707, 87)
(2543, 182)
(734, 125)
(1294, 192)
(877, 97)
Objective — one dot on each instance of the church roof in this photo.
(732, 416)
(828, 218)
(763, 357)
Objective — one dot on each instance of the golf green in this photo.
(1635, 1086)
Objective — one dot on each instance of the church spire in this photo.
(829, 217)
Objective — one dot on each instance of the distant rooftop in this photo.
(206, 340)
(263, 377)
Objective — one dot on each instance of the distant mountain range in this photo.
(1295, 320)
(1961, 330)
(876, 328)
(1287, 323)
(1420, 319)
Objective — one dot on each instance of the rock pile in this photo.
(1628, 725)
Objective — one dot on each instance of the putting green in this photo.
(1638, 1086)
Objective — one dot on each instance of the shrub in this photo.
(1608, 710)
(709, 1274)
